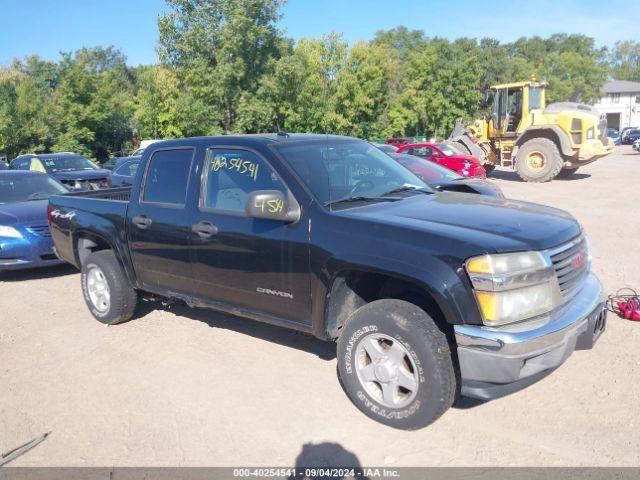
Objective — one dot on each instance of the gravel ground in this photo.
(193, 387)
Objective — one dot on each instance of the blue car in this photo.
(124, 171)
(615, 135)
(74, 171)
(25, 240)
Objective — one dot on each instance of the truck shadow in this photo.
(270, 333)
(512, 176)
(37, 273)
(328, 455)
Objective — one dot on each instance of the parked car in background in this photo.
(398, 141)
(447, 156)
(429, 295)
(143, 145)
(124, 171)
(444, 179)
(624, 135)
(613, 134)
(73, 171)
(25, 240)
(386, 148)
(110, 163)
(631, 136)
(3, 165)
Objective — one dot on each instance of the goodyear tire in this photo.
(106, 289)
(538, 160)
(395, 364)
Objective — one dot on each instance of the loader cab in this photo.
(512, 107)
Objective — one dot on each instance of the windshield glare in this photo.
(68, 164)
(36, 187)
(449, 150)
(337, 169)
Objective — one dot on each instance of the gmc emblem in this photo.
(578, 260)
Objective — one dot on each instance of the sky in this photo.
(46, 27)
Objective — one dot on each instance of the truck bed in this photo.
(93, 212)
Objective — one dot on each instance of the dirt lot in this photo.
(192, 387)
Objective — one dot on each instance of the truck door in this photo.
(158, 225)
(257, 264)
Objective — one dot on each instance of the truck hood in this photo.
(100, 173)
(492, 224)
(18, 213)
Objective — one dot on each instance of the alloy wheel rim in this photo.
(98, 289)
(386, 370)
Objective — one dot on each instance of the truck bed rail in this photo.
(121, 194)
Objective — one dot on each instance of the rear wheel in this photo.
(395, 364)
(106, 289)
(538, 160)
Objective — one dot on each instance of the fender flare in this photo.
(552, 132)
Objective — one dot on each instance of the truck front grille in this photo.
(571, 263)
(40, 230)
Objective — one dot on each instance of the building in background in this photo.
(621, 104)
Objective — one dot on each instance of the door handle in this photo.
(141, 221)
(204, 229)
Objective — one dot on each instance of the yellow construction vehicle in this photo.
(540, 141)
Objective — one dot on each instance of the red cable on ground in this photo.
(625, 303)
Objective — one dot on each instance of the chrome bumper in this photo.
(496, 361)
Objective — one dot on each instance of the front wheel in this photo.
(106, 289)
(395, 364)
(538, 160)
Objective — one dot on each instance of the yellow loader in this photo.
(540, 141)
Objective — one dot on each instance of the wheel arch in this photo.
(550, 132)
(86, 242)
(350, 289)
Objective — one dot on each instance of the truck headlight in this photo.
(9, 232)
(511, 287)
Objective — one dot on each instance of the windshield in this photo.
(535, 97)
(68, 164)
(449, 150)
(426, 170)
(338, 170)
(27, 188)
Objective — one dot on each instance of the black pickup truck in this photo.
(429, 295)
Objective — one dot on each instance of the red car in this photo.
(447, 156)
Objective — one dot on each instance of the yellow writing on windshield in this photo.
(244, 167)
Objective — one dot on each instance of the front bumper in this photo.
(29, 252)
(592, 150)
(500, 360)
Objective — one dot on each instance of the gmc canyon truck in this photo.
(429, 295)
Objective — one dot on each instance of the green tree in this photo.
(624, 59)
(220, 48)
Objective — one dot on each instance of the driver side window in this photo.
(229, 175)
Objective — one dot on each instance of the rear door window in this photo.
(167, 177)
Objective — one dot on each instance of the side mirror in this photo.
(272, 205)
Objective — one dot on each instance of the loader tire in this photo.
(538, 161)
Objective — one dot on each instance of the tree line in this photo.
(225, 67)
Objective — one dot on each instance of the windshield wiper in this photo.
(406, 188)
(359, 199)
